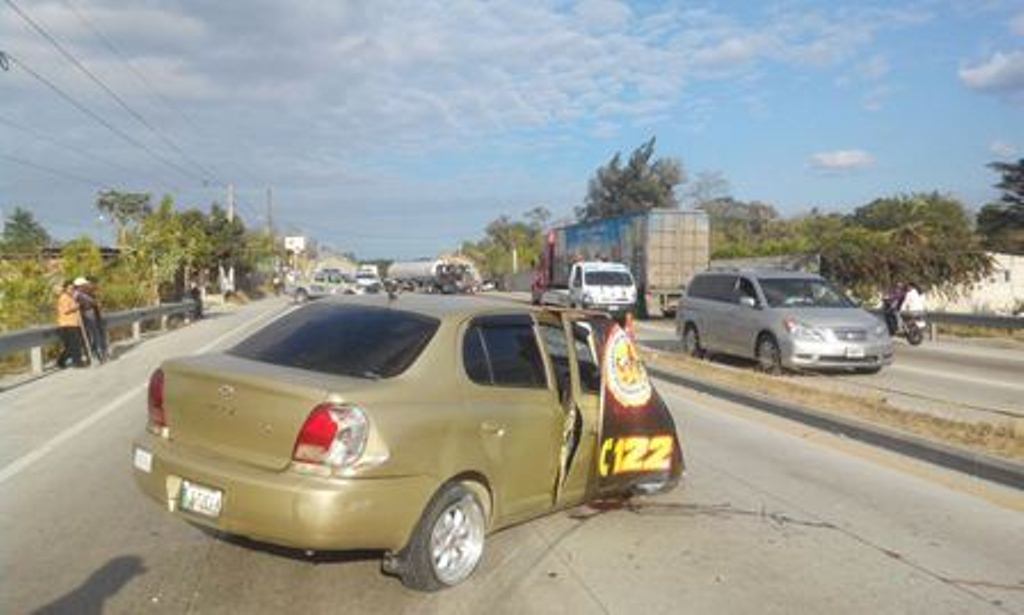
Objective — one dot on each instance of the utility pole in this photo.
(230, 285)
(270, 211)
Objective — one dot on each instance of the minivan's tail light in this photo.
(157, 423)
(333, 436)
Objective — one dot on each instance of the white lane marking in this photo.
(953, 376)
(21, 463)
(18, 465)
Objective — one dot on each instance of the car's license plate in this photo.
(143, 460)
(200, 499)
(854, 352)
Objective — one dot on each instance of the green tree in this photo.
(23, 234)
(921, 238)
(81, 257)
(1001, 224)
(125, 209)
(638, 185)
(493, 253)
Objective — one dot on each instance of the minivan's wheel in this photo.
(301, 295)
(448, 542)
(691, 342)
(769, 357)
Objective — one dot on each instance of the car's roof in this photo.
(766, 273)
(437, 306)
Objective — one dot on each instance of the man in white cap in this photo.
(92, 319)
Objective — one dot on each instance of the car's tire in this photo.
(769, 356)
(301, 296)
(914, 335)
(448, 541)
(691, 342)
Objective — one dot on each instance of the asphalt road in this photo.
(936, 376)
(772, 518)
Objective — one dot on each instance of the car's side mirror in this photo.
(748, 301)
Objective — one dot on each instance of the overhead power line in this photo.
(205, 175)
(127, 63)
(96, 117)
(57, 172)
(84, 153)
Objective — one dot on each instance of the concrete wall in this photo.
(1000, 293)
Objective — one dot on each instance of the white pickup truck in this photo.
(596, 285)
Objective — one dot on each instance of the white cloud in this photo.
(842, 160)
(875, 98)
(1002, 73)
(874, 68)
(1002, 149)
(1017, 24)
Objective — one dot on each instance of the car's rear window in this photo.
(348, 340)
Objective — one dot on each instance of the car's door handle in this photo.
(492, 429)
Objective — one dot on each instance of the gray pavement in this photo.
(773, 517)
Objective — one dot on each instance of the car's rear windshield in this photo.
(347, 340)
(803, 292)
(608, 278)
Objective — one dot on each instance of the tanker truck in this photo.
(446, 275)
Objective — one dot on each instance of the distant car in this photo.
(411, 425)
(323, 283)
(783, 319)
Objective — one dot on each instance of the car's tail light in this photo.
(157, 417)
(333, 436)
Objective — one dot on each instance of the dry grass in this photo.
(1001, 440)
(1013, 337)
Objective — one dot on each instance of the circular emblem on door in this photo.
(624, 372)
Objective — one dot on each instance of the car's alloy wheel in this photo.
(769, 357)
(447, 544)
(457, 540)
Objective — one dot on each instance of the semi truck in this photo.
(662, 248)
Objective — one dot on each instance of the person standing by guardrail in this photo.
(69, 327)
(92, 318)
(196, 295)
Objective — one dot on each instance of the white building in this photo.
(1002, 292)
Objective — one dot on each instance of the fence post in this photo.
(163, 322)
(36, 354)
(136, 330)
(933, 331)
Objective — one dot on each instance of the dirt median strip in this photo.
(994, 452)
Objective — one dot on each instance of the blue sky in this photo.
(395, 129)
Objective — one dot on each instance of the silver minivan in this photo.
(782, 319)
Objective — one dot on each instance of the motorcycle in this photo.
(909, 326)
(912, 327)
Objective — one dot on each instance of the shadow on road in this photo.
(313, 557)
(89, 597)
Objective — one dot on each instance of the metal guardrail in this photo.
(35, 339)
(976, 320)
(989, 321)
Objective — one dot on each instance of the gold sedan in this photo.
(414, 426)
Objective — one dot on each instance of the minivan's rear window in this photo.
(608, 278)
(348, 340)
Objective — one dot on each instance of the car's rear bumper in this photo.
(838, 355)
(288, 508)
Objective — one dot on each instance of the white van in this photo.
(596, 285)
